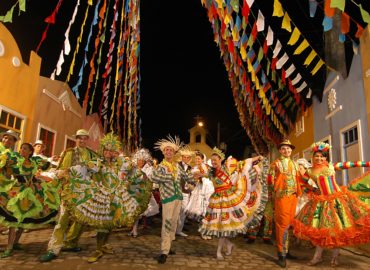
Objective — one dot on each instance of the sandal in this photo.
(314, 262)
(7, 253)
(95, 256)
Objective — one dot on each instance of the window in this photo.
(350, 137)
(48, 138)
(351, 150)
(11, 121)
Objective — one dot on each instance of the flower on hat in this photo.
(320, 146)
(110, 142)
(141, 154)
(174, 143)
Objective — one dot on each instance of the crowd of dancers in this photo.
(107, 190)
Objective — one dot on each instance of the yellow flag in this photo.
(243, 52)
(90, 2)
(219, 3)
(286, 23)
(227, 18)
(310, 57)
(294, 37)
(317, 67)
(278, 9)
(235, 33)
(301, 47)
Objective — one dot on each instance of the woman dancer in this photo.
(229, 212)
(333, 217)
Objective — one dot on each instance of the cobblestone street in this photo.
(138, 253)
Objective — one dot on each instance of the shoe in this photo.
(291, 257)
(182, 234)
(107, 249)
(268, 242)
(334, 262)
(220, 257)
(5, 232)
(162, 259)
(72, 249)
(250, 240)
(281, 261)
(47, 257)
(134, 235)
(172, 252)
(315, 261)
(229, 249)
(95, 256)
(7, 253)
(17, 246)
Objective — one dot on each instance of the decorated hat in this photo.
(218, 152)
(286, 142)
(186, 151)
(320, 146)
(38, 142)
(9, 132)
(110, 142)
(82, 132)
(174, 143)
(142, 154)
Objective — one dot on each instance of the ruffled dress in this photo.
(101, 199)
(238, 201)
(334, 218)
(26, 201)
(199, 198)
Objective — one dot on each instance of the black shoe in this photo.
(162, 259)
(72, 249)
(172, 252)
(281, 261)
(291, 257)
(250, 240)
(268, 242)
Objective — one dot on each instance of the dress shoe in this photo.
(47, 257)
(72, 249)
(281, 261)
(162, 259)
(291, 257)
(182, 234)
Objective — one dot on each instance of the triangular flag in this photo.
(313, 7)
(22, 5)
(282, 61)
(339, 4)
(290, 70)
(278, 9)
(317, 67)
(303, 86)
(277, 49)
(327, 23)
(286, 23)
(365, 15)
(260, 22)
(304, 44)
(297, 79)
(329, 12)
(250, 2)
(270, 36)
(345, 23)
(310, 57)
(309, 93)
(8, 16)
(294, 37)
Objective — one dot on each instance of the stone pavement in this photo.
(191, 253)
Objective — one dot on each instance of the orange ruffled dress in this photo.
(334, 218)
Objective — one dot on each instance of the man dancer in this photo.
(169, 175)
(186, 155)
(284, 182)
(80, 154)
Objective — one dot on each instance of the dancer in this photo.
(169, 175)
(29, 203)
(285, 182)
(228, 212)
(199, 198)
(333, 217)
(186, 189)
(64, 233)
(138, 180)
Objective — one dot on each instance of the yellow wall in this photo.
(305, 139)
(365, 48)
(18, 85)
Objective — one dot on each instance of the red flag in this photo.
(345, 23)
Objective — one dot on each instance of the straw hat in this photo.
(38, 142)
(82, 132)
(174, 143)
(286, 142)
(9, 132)
(186, 151)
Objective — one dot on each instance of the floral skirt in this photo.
(335, 220)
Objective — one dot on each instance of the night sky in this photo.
(182, 75)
